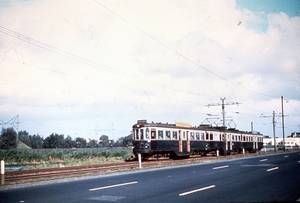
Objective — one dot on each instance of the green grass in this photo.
(68, 157)
(22, 145)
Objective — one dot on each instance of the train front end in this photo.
(141, 139)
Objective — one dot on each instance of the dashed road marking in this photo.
(221, 167)
(272, 169)
(264, 160)
(286, 156)
(198, 190)
(112, 186)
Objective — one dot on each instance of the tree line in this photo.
(9, 138)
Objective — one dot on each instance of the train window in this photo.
(160, 134)
(183, 134)
(207, 136)
(197, 136)
(202, 136)
(137, 134)
(175, 135)
(153, 134)
(192, 136)
(168, 135)
(216, 136)
(147, 133)
(211, 136)
(141, 134)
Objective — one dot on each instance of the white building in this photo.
(291, 141)
(269, 141)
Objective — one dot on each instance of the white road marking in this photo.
(193, 191)
(286, 156)
(264, 160)
(271, 169)
(299, 162)
(298, 200)
(221, 167)
(112, 186)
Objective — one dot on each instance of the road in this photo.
(270, 178)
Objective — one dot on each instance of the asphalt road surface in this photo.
(271, 178)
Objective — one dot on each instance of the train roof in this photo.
(204, 127)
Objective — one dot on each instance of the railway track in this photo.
(12, 177)
(15, 177)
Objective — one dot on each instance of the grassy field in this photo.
(48, 158)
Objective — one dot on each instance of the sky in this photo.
(95, 67)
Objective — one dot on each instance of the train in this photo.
(181, 140)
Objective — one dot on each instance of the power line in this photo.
(181, 55)
(85, 61)
(223, 107)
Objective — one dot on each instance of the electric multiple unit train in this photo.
(181, 140)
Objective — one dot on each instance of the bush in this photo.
(29, 156)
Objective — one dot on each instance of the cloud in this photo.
(71, 66)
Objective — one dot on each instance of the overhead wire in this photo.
(181, 55)
(86, 61)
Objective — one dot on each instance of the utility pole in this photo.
(274, 131)
(273, 124)
(15, 123)
(282, 119)
(223, 108)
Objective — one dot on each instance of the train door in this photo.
(188, 142)
(254, 142)
(229, 142)
(179, 141)
(225, 139)
(184, 143)
(231, 138)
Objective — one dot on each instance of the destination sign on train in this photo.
(182, 124)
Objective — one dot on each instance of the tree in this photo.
(92, 144)
(8, 139)
(24, 137)
(126, 141)
(80, 142)
(36, 141)
(33, 141)
(69, 142)
(104, 140)
(54, 141)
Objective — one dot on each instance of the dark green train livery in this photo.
(181, 140)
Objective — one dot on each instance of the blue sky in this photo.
(290, 7)
(263, 8)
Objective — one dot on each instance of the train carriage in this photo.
(182, 140)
